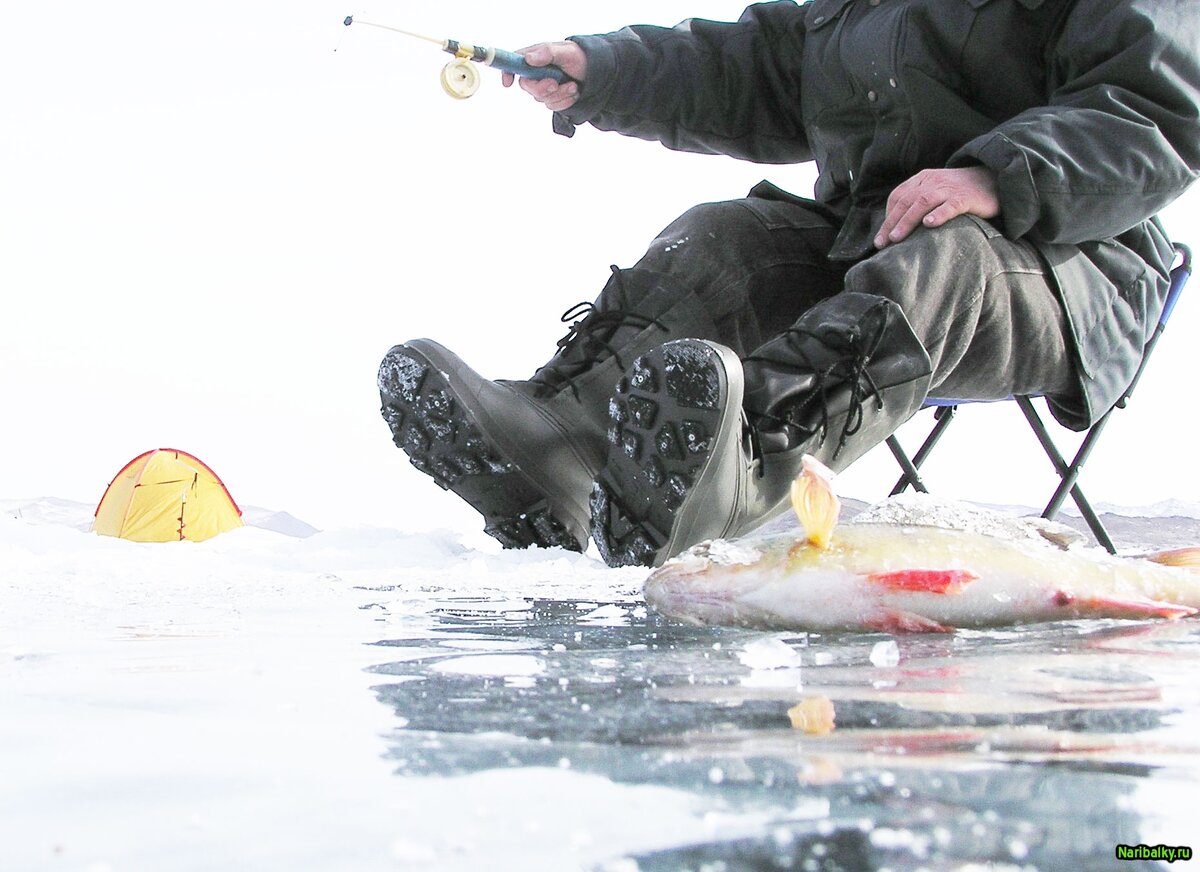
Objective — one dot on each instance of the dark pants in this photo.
(982, 305)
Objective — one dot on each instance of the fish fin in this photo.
(1059, 535)
(925, 580)
(814, 502)
(1183, 558)
(1111, 607)
(900, 621)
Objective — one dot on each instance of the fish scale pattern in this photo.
(662, 419)
(441, 440)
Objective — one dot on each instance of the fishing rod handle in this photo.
(511, 62)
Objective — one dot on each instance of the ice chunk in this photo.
(885, 653)
(769, 653)
(611, 615)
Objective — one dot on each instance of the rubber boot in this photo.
(524, 453)
(704, 448)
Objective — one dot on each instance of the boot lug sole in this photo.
(442, 439)
(669, 422)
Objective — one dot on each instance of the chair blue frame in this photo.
(1068, 473)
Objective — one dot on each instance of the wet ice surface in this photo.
(363, 699)
(1041, 748)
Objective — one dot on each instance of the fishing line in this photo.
(350, 19)
(460, 77)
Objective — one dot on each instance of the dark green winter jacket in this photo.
(1087, 111)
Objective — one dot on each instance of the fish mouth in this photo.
(676, 576)
(694, 587)
(670, 595)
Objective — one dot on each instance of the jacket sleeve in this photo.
(1120, 136)
(702, 86)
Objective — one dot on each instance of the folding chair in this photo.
(945, 409)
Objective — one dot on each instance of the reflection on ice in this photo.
(494, 665)
(1022, 748)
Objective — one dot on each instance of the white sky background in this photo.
(213, 225)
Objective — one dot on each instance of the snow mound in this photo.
(52, 511)
(277, 522)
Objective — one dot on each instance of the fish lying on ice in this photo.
(905, 577)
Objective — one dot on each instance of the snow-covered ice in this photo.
(365, 698)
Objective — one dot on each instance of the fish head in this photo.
(703, 584)
(768, 582)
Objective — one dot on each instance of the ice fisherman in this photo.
(983, 225)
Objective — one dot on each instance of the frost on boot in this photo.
(676, 405)
(442, 422)
(525, 453)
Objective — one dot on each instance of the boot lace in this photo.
(588, 338)
(850, 368)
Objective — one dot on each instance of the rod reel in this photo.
(461, 79)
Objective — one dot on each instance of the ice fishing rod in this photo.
(460, 78)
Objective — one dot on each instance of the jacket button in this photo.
(820, 19)
(872, 96)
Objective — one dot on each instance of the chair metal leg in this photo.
(1069, 473)
(943, 416)
(910, 478)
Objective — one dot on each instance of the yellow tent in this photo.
(164, 496)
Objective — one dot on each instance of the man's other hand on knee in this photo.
(933, 197)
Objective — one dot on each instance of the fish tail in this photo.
(1181, 558)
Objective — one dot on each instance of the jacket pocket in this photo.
(1104, 289)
